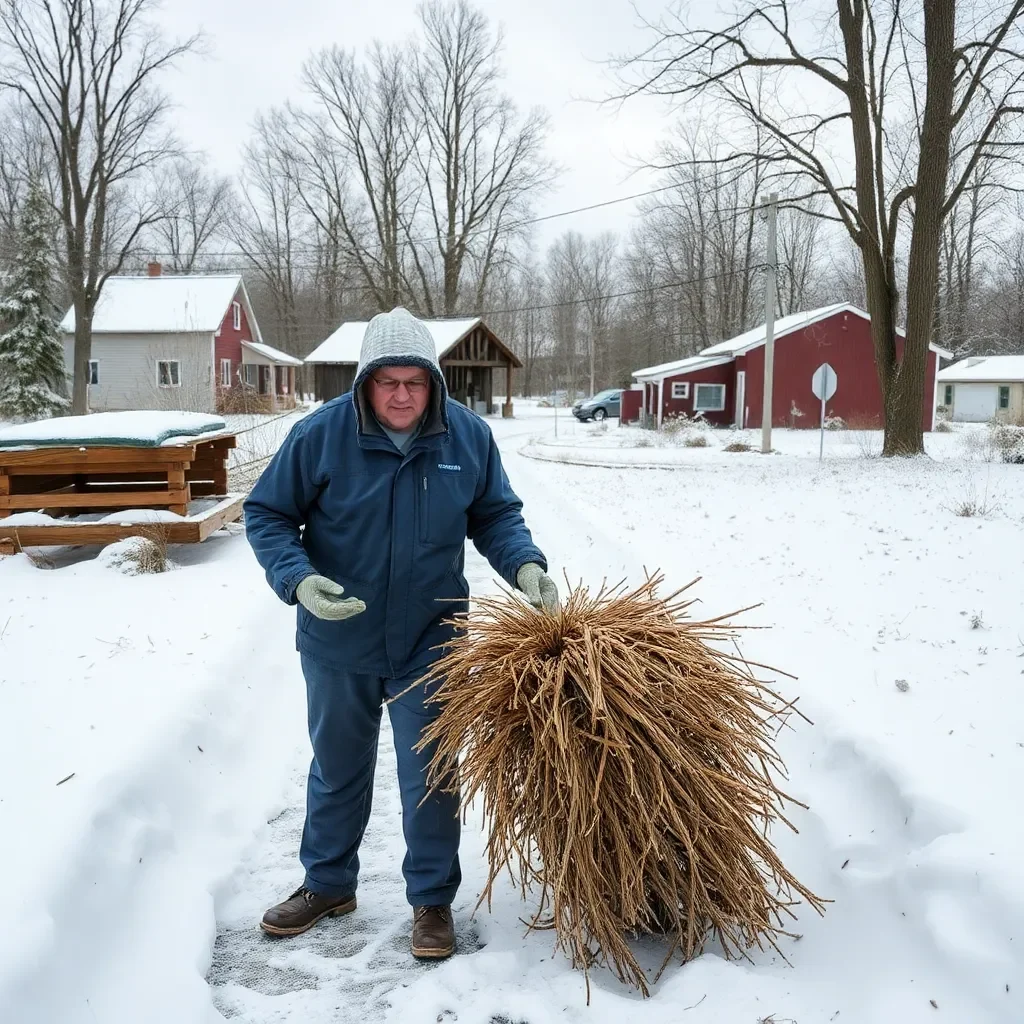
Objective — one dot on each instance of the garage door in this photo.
(975, 403)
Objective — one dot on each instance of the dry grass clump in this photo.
(142, 555)
(696, 441)
(626, 769)
(739, 446)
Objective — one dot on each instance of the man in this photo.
(361, 519)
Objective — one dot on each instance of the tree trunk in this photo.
(82, 355)
(904, 432)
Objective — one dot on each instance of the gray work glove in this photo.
(538, 586)
(322, 598)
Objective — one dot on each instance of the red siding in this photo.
(632, 403)
(844, 341)
(724, 373)
(228, 344)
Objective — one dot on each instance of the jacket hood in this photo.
(399, 339)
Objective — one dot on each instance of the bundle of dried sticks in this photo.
(626, 765)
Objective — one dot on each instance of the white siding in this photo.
(128, 371)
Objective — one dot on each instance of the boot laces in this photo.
(442, 912)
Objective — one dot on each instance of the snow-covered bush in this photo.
(943, 427)
(682, 429)
(1008, 441)
(835, 423)
(138, 556)
(979, 444)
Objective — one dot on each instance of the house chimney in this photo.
(154, 269)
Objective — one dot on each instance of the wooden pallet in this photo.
(192, 530)
(75, 480)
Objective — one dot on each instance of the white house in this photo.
(983, 388)
(186, 342)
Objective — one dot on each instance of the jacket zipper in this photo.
(423, 512)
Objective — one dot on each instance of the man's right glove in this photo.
(322, 598)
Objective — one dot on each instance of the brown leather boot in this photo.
(433, 933)
(302, 910)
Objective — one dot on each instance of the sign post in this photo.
(823, 383)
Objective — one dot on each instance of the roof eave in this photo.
(707, 364)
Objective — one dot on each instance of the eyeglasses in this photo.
(414, 387)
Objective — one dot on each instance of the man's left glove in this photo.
(538, 586)
(322, 598)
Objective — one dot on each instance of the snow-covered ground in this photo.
(175, 705)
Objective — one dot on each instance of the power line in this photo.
(514, 225)
(575, 302)
(617, 295)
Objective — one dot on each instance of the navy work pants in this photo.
(344, 723)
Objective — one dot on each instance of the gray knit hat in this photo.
(399, 339)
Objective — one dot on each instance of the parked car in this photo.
(603, 404)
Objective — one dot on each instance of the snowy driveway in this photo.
(866, 579)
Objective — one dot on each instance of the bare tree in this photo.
(270, 225)
(88, 71)
(902, 82)
(596, 271)
(481, 163)
(564, 259)
(798, 252)
(517, 296)
(354, 153)
(24, 159)
(197, 209)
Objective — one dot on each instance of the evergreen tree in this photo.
(32, 379)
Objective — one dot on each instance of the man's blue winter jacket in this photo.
(339, 499)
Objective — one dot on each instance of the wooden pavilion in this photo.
(469, 352)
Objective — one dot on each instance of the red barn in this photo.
(725, 383)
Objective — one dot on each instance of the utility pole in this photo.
(769, 328)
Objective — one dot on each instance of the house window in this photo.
(949, 395)
(709, 398)
(1004, 396)
(168, 373)
(680, 389)
(236, 316)
(225, 373)
(94, 371)
(249, 374)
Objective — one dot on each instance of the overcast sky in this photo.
(554, 51)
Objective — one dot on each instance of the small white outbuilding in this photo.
(982, 389)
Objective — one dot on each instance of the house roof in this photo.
(344, 344)
(784, 325)
(275, 355)
(680, 366)
(984, 370)
(168, 304)
(755, 337)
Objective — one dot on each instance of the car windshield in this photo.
(610, 393)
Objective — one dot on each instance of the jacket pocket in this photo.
(444, 506)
